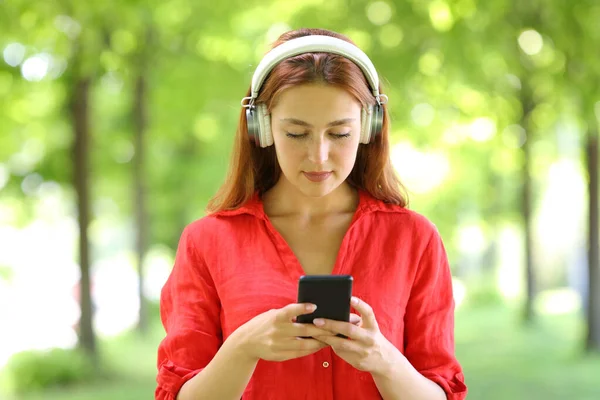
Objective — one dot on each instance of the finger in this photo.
(291, 311)
(345, 328)
(366, 312)
(288, 355)
(297, 344)
(355, 320)
(341, 344)
(306, 330)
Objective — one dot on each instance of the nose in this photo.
(318, 150)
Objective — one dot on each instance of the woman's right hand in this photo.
(275, 336)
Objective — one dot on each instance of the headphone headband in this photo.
(258, 119)
(314, 44)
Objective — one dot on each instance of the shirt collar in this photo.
(366, 204)
(254, 206)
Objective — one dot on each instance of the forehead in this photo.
(316, 100)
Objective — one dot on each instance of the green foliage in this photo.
(39, 370)
(483, 293)
(462, 59)
(6, 273)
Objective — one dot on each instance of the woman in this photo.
(310, 191)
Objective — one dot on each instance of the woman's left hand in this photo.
(366, 348)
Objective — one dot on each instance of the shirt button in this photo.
(325, 364)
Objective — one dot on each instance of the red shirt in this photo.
(233, 265)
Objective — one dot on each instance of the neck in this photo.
(284, 199)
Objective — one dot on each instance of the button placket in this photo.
(327, 359)
(324, 367)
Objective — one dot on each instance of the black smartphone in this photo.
(330, 293)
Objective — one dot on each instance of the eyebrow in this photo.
(338, 122)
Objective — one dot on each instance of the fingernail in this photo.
(318, 322)
(354, 301)
(311, 307)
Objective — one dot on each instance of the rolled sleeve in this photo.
(190, 313)
(429, 322)
(170, 379)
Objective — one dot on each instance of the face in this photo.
(316, 131)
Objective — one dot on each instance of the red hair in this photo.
(253, 168)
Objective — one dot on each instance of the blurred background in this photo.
(116, 123)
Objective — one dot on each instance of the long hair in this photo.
(253, 168)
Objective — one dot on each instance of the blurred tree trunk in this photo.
(140, 193)
(80, 117)
(141, 215)
(583, 77)
(526, 199)
(526, 15)
(593, 317)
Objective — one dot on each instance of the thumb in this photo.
(366, 312)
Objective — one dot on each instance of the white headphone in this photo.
(257, 117)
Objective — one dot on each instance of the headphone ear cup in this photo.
(376, 121)
(265, 138)
(261, 124)
(252, 125)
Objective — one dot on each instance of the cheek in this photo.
(287, 153)
(346, 155)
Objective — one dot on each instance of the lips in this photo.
(317, 176)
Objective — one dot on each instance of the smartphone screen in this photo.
(330, 293)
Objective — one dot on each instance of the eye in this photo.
(340, 135)
(295, 135)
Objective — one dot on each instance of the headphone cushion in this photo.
(266, 133)
(365, 123)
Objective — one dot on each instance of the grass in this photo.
(131, 362)
(501, 360)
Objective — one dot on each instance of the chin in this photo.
(304, 187)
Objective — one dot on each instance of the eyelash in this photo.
(303, 135)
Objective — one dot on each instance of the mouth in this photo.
(317, 176)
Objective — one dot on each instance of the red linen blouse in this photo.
(233, 265)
